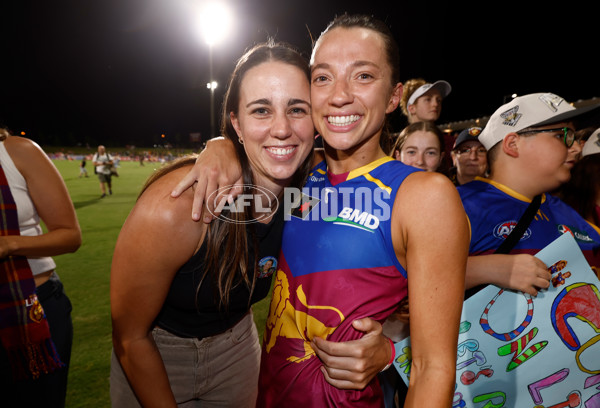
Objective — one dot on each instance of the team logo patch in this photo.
(474, 131)
(304, 206)
(551, 101)
(267, 266)
(511, 116)
(580, 236)
(36, 312)
(502, 230)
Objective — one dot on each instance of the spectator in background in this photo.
(115, 166)
(421, 145)
(35, 349)
(103, 162)
(528, 142)
(422, 101)
(582, 192)
(82, 169)
(581, 135)
(469, 157)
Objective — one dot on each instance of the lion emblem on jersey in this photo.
(286, 321)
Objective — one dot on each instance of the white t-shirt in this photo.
(103, 158)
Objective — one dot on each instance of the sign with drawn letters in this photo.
(515, 350)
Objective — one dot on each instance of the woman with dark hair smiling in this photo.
(181, 291)
(399, 233)
(421, 145)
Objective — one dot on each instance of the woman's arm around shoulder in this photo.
(51, 200)
(431, 239)
(217, 168)
(157, 238)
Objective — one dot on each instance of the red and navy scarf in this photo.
(24, 331)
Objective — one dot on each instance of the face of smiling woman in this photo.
(274, 122)
(351, 91)
(422, 150)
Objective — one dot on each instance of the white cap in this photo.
(536, 109)
(443, 86)
(592, 145)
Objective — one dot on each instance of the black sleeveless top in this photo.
(186, 315)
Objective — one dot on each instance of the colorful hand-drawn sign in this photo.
(515, 350)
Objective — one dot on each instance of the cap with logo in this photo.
(467, 135)
(442, 86)
(526, 111)
(592, 145)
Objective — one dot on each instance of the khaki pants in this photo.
(218, 371)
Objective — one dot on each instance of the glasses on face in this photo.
(481, 151)
(566, 134)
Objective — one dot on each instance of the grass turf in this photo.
(86, 276)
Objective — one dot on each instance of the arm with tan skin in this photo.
(522, 272)
(51, 200)
(216, 169)
(353, 364)
(349, 365)
(430, 235)
(141, 274)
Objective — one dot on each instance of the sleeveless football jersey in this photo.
(494, 210)
(337, 264)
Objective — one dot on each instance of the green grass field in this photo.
(86, 276)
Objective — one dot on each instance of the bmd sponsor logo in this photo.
(354, 218)
(360, 207)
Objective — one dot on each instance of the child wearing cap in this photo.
(582, 192)
(422, 101)
(528, 142)
(469, 157)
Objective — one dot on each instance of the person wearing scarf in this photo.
(35, 323)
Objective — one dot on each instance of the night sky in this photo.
(123, 72)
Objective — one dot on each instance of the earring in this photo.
(240, 140)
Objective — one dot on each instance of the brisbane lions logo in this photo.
(287, 321)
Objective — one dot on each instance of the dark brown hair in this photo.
(415, 127)
(227, 245)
